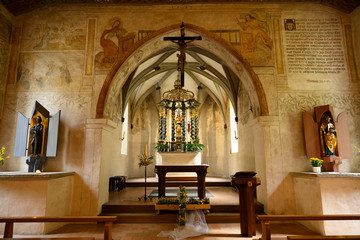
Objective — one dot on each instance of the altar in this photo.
(43, 194)
(181, 158)
(328, 193)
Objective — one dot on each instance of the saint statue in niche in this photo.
(37, 132)
(327, 137)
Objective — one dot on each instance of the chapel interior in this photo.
(117, 89)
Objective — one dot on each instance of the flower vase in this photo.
(316, 169)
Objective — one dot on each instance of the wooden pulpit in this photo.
(246, 183)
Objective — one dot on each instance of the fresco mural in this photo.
(256, 45)
(115, 41)
(46, 70)
(250, 35)
(55, 31)
(5, 32)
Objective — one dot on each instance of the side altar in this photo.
(45, 194)
(328, 193)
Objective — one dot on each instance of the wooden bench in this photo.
(265, 222)
(316, 237)
(69, 238)
(108, 220)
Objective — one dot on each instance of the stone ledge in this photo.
(326, 174)
(43, 175)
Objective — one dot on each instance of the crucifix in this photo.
(182, 41)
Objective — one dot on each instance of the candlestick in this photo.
(145, 150)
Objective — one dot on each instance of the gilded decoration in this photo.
(54, 31)
(115, 40)
(61, 71)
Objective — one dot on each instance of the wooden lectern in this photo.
(246, 183)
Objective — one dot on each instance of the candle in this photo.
(38, 172)
(145, 150)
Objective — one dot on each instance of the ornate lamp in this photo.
(182, 108)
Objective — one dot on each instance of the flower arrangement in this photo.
(2, 155)
(144, 160)
(182, 206)
(182, 203)
(316, 162)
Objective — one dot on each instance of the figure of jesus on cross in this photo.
(182, 41)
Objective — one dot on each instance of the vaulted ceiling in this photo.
(205, 75)
(17, 7)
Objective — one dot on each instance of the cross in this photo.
(182, 41)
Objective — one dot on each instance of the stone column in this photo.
(276, 193)
(91, 190)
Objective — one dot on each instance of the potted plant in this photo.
(161, 147)
(316, 163)
(2, 155)
(195, 146)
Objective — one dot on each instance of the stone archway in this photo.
(109, 94)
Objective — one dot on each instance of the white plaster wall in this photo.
(110, 159)
(215, 138)
(144, 131)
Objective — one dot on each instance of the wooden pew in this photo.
(108, 220)
(265, 221)
(316, 237)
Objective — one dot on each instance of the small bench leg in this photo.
(9, 229)
(107, 231)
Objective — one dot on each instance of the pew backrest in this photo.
(108, 220)
(265, 220)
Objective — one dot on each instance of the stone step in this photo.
(172, 217)
(149, 208)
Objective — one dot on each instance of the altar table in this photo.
(201, 171)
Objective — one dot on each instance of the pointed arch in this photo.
(142, 49)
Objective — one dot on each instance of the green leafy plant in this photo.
(195, 146)
(167, 201)
(316, 162)
(2, 155)
(161, 147)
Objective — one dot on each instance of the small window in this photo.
(125, 135)
(233, 131)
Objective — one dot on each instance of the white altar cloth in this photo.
(175, 158)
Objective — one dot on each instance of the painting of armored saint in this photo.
(114, 41)
(256, 44)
